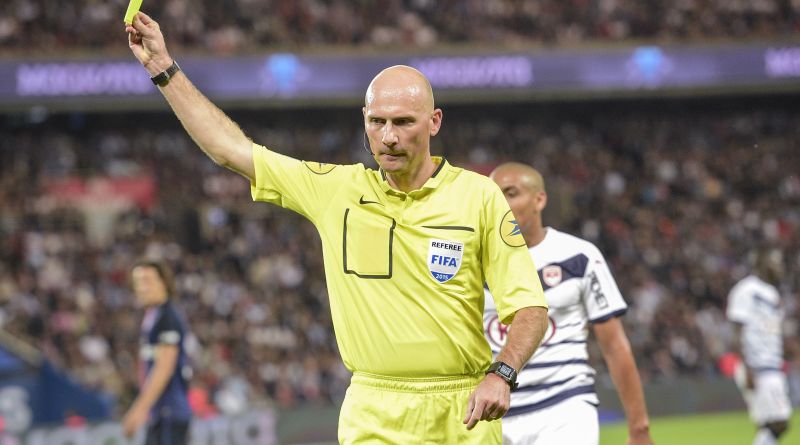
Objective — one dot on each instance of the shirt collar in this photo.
(433, 182)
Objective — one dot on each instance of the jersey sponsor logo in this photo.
(319, 168)
(444, 259)
(510, 231)
(551, 275)
(497, 333)
(597, 291)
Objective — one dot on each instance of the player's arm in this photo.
(166, 360)
(619, 359)
(739, 312)
(216, 134)
(524, 335)
(738, 327)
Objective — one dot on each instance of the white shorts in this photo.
(769, 400)
(573, 421)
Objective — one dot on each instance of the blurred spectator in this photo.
(245, 25)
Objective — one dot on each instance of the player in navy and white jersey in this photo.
(162, 402)
(754, 306)
(556, 402)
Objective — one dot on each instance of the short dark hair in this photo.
(767, 260)
(163, 270)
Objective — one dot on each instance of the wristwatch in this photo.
(506, 372)
(162, 78)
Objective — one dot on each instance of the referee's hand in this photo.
(147, 43)
(490, 401)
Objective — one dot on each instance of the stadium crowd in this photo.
(674, 195)
(247, 25)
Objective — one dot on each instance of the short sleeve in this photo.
(739, 300)
(601, 296)
(168, 330)
(302, 186)
(507, 266)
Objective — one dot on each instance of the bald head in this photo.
(524, 174)
(401, 82)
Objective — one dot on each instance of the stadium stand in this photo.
(51, 26)
(717, 175)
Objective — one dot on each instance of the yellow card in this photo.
(133, 8)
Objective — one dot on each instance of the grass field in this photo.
(702, 429)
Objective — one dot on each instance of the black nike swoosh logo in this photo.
(362, 201)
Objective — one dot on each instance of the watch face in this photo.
(506, 370)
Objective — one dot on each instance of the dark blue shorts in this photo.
(168, 432)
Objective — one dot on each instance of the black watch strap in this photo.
(506, 372)
(162, 78)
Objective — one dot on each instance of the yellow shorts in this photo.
(385, 410)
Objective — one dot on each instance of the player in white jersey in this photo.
(754, 306)
(556, 402)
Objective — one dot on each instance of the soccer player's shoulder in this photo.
(746, 284)
(574, 243)
(170, 312)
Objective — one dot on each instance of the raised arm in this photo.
(216, 134)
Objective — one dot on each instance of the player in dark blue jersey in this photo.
(164, 370)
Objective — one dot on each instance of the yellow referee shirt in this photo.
(405, 271)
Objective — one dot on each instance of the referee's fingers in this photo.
(477, 414)
(488, 410)
(144, 25)
(139, 26)
(146, 19)
(497, 412)
(470, 406)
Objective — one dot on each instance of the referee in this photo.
(162, 403)
(407, 249)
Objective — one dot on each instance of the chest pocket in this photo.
(367, 243)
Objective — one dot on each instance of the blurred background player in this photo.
(162, 402)
(754, 307)
(556, 401)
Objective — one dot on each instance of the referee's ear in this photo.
(436, 121)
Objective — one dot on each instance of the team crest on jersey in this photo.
(319, 168)
(444, 259)
(551, 275)
(510, 231)
(497, 332)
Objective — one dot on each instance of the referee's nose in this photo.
(389, 137)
